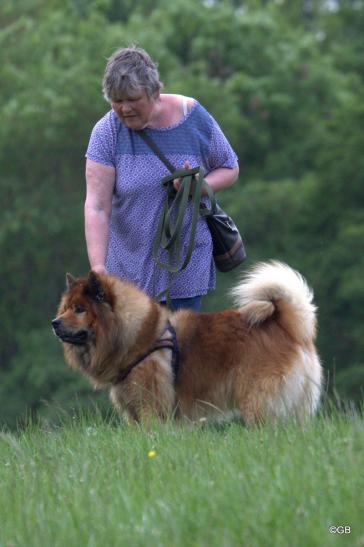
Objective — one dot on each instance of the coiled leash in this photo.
(169, 230)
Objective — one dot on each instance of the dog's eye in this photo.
(79, 309)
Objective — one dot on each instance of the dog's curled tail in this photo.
(274, 287)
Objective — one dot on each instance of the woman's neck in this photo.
(167, 111)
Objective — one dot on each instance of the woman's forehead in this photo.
(128, 93)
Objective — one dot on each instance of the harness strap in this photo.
(163, 343)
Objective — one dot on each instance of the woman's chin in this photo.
(133, 122)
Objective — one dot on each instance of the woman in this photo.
(124, 191)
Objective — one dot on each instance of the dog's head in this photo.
(85, 300)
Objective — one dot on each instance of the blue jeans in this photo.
(193, 303)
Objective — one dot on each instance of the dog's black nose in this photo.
(55, 323)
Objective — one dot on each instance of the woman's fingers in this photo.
(177, 182)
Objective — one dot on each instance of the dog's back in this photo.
(259, 357)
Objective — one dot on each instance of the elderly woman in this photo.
(124, 191)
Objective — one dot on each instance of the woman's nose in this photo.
(122, 107)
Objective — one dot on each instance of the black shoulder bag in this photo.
(228, 246)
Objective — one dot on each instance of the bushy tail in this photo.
(275, 287)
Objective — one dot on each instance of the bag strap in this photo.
(150, 142)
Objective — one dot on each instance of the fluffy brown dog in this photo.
(259, 358)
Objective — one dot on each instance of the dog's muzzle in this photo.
(77, 338)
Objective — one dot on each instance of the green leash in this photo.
(169, 230)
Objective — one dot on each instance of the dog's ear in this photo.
(70, 280)
(94, 287)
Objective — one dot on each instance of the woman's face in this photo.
(135, 109)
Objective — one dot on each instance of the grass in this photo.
(93, 482)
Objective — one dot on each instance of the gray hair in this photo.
(128, 70)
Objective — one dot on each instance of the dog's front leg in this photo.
(147, 393)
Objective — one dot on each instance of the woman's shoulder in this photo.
(107, 127)
(108, 120)
(179, 103)
(189, 102)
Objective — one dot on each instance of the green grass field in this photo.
(92, 482)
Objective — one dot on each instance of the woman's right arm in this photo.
(100, 181)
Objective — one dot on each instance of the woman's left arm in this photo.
(219, 178)
(222, 177)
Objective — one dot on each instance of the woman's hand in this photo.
(177, 182)
(99, 268)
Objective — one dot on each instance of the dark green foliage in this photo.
(284, 80)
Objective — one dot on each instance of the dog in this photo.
(258, 358)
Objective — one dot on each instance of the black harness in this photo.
(168, 343)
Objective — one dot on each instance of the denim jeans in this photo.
(193, 303)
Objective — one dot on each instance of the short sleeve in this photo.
(221, 153)
(102, 144)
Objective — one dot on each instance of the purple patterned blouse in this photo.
(139, 195)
